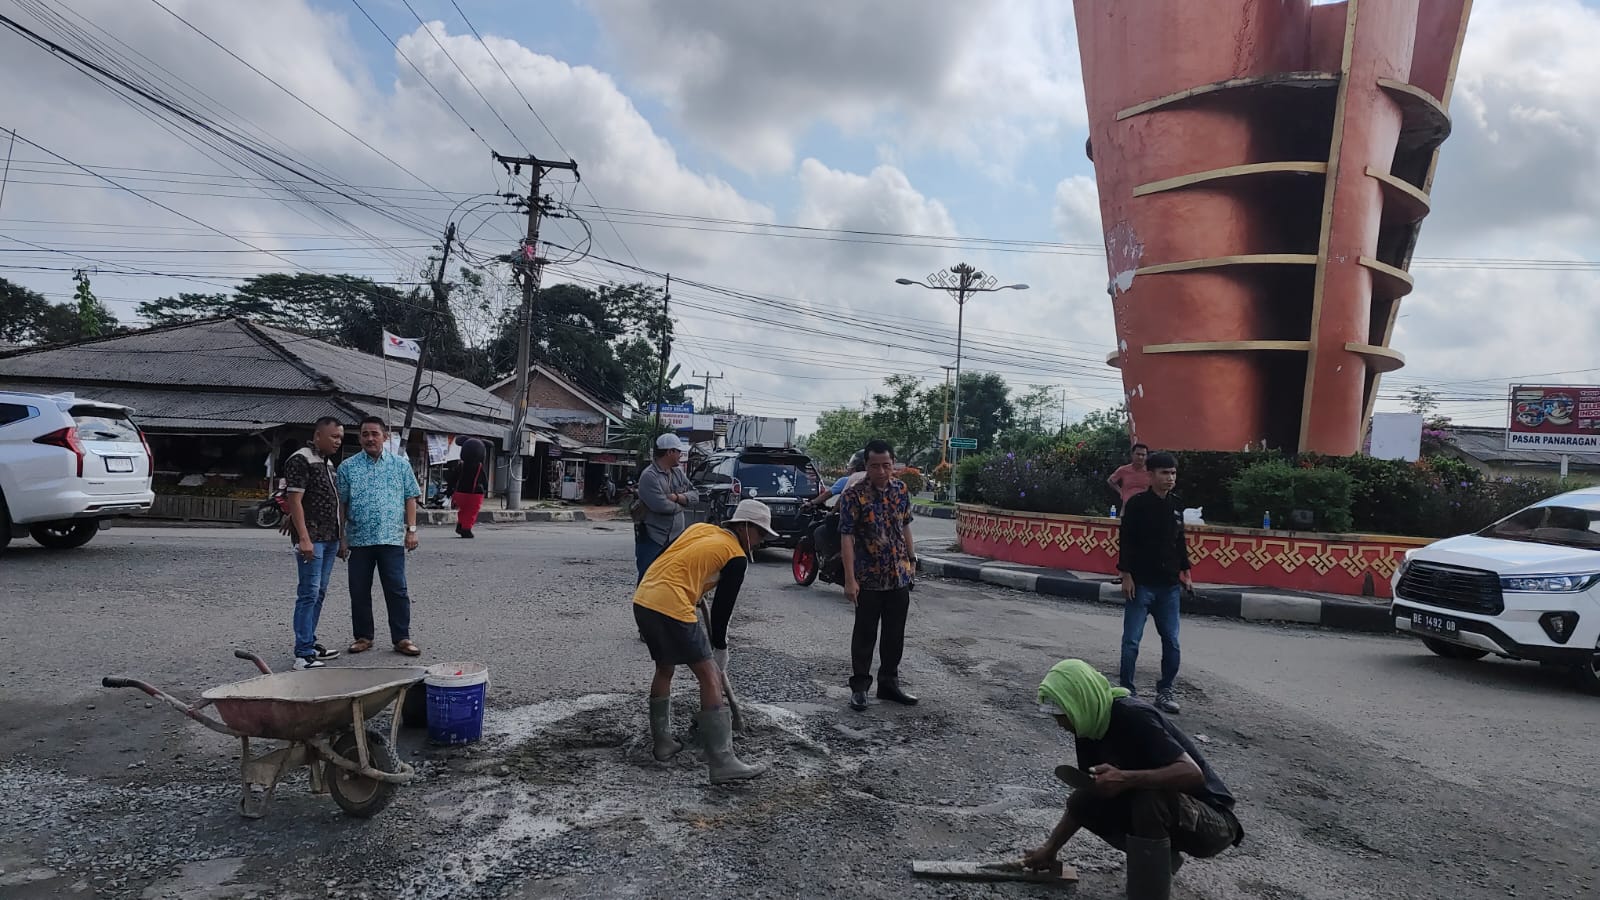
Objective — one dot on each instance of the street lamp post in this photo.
(960, 281)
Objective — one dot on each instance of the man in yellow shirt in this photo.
(703, 557)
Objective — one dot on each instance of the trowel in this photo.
(1007, 870)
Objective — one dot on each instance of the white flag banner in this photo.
(405, 348)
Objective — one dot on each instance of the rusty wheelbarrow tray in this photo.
(322, 714)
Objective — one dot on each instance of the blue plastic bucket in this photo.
(456, 693)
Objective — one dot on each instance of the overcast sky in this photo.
(699, 125)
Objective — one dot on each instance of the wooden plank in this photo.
(1266, 168)
(956, 870)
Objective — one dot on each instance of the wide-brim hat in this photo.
(756, 513)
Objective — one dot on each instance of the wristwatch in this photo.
(411, 529)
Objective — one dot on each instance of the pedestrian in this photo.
(879, 564)
(379, 494)
(1133, 478)
(1154, 562)
(470, 485)
(1141, 784)
(664, 493)
(664, 607)
(314, 523)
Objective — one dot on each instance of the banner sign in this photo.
(677, 416)
(1556, 419)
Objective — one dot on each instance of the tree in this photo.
(1436, 433)
(26, 317)
(986, 407)
(607, 339)
(840, 433)
(94, 319)
(900, 416)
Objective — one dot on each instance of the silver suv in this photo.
(67, 465)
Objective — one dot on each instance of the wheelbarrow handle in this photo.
(192, 711)
(251, 657)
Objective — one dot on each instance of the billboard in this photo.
(1558, 419)
(677, 416)
(1396, 436)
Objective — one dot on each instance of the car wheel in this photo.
(1589, 675)
(1454, 651)
(805, 563)
(65, 534)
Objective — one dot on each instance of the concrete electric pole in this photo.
(530, 266)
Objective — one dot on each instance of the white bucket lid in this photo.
(456, 674)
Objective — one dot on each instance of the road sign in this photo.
(963, 443)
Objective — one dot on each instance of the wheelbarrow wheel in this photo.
(355, 793)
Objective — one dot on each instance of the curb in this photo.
(935, 512)
(503, 516)
(1344, 615)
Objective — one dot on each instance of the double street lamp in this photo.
(960, 281)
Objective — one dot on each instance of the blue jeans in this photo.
(390, 561)
(645, 552)
(309, 594)
(1162, 604)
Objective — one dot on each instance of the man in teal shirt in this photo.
(379, 494)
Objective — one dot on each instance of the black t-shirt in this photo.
(1153, 547)
(1140, 737)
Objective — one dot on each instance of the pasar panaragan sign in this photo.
(1557, 419)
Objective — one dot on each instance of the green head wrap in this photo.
(1082, 694)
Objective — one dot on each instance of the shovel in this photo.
(727, 686)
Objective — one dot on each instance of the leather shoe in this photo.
(858, 701)
(890, 690)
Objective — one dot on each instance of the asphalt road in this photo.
(1364, 766)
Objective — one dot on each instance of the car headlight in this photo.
(1549, 584)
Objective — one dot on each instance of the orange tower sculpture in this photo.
(1263, 169)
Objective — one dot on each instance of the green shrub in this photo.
(1276, 487)
(967, 488)
(1205, 479)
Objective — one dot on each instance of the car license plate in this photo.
(119, 464)
(1444, 625)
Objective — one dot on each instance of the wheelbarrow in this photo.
(322, 714)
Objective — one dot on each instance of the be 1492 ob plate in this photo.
(1433, 623)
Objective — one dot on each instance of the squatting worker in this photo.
(379, 494)
(470, 485)
(703, 557)
(314, 527)
(664, 492)
(879, 565)
(1131, 479)
(1150, 792)
(1154, 562)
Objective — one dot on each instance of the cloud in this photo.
(749, 80)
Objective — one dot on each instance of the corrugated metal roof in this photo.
(158, 408)
(1489, 445)
(210, 353)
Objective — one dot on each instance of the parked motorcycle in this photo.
(808, 562)
(272, 511)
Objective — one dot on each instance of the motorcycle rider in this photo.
(828, 534)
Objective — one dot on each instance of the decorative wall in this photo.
(1263, 169)
(1330, 563)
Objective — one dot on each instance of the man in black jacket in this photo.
(1154, 563)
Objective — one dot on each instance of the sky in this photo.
(784, 162)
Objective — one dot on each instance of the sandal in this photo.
(408, 648)
(361, 645)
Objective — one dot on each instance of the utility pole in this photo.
(440, 301)
(944, 433)
(705, 396)
(531, 268)
(1063, 409)
(666, 352)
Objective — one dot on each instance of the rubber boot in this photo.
(666, 747)
(716, 730)
(1149, 868)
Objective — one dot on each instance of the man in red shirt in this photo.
(1132, 479)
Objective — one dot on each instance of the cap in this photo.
(669, 442)
(756, 513)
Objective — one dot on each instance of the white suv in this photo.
(1526, 587)
(66, 465)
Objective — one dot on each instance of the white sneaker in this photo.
(308, 662)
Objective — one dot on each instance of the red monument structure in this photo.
(1264, 168)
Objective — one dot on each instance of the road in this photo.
(1364, 766)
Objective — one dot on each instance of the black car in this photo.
(779, 477)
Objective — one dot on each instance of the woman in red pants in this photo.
(472, 482)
